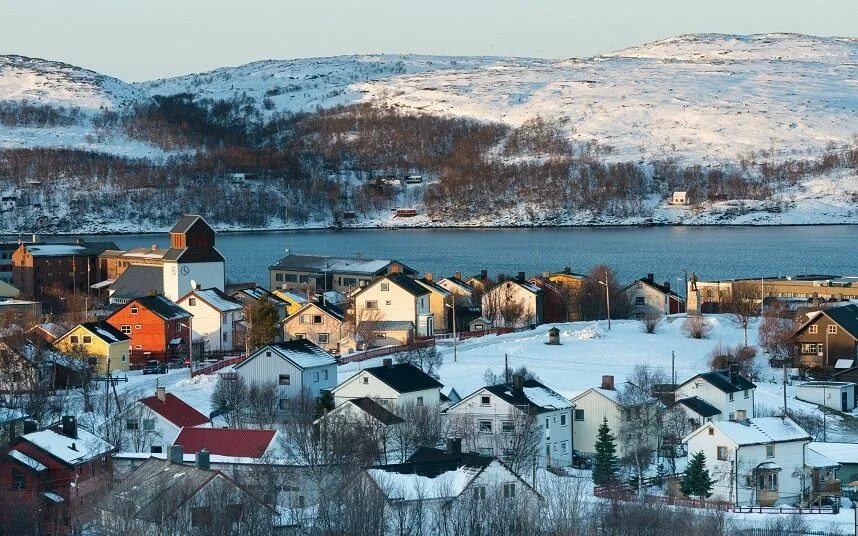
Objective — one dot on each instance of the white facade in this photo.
(733, 406)
(384, 300)
(178, 277)
(364, 384)
(464, 295)
(158, 431)
(529, 296)
(839, 396)
(743, 472)
(488, 425)
(267, 365)
(645, 299)
(591, 408)
(211, 324)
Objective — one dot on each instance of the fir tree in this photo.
(696, 481)
(660, 473)
(605, 464)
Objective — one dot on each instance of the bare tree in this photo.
(426, 358)
(696, 327)
(594, 304)
(512, 310)
(742, 305)
(776, 332)
(651, 321)
(229, 398)
(641, 418)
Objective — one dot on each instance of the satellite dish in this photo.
(194, 284)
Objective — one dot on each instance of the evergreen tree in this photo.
(605, 464)
(696, 481)
(660, 473)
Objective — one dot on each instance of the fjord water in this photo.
(711, 252)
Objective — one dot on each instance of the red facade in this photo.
(154, 334)
(553, 302)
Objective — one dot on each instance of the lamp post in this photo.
(607, 297)
(455, 338)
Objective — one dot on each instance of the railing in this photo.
(214, 367)
(784, 510)
(386, 350)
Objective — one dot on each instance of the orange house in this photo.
(159, 329)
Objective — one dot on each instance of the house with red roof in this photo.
(153, 423)
(234, 442)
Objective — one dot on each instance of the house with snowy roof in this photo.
(50, 331)
(48, 473)
(31, 365)
(103, 346)
(436, 478)
(294, 298)
(159, 329)
(646, 297)
(754, 462)
(319, 321)
(152, 423)
(394, 298)
(391, 384)
(493, 419)
(514, 303)
(297, 367)
(215, 315)
(716, 396)
(249, 296)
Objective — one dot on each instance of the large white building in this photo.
(755, 461)
(215, 317)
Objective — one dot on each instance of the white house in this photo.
(463, 292)
(839, 396)
(716, 396)
(509, 295)
(491, 420)
(296, 367)
(646, 296)
(157, 420)
(680, 198)
(395, 297)
(392, 385)
(215, 315)
(754, 461)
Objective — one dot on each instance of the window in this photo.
(323, 338)
(485, 451)
(747, 393)
(201, 516)
(731, 416)
(730, 396)
(419, 400)
(507, 427)
(485, 400)
(579, 414)
(132, 424)
(225, 336)
(192, 302)
(224, 319)
(385, 287)
(149, 425)
(317, 319)
(349, 282)
(767, 481)
(285, 379)
(485, 427)
(711, 431)
(134, 310)
(74, 339)
(284, 403)
(640, 300)
(722, 454)
(234, 512)
(125, 328)
(315, 377)
(304, 319)
(770, 451)
(123, 358)
(381, 335)
(479, 493)
(832, 329)
(303, 279)
(371, 304)
(300, 336)
(18, 480)
(365, 380)
(563, 419)
(509, 490)
(138, 326)
(564, 447)
(278, 277)
(813, 329)
(87, 339)
(290, 278)
(325, 374)
(387, 302)
(546, 424)
(156, 449)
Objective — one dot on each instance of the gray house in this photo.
(295, 366)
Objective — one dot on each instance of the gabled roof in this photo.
(215, 298)
(323, 264)
(611, 394)
(50, 331)
(432, 286)
(652, 284)
(405, 283)
(186, 222)
(138, 280)
(162, 306)
(331, 310)
(759, 431)
(722, 380)
(238, 442)
(699, 406)
(374, 410)
(104, 331)
(205, 254)
(534, 396)
(401, 377)
(69, 450)
(459, 283)
(257, 293)
(300, 352)
(524, 285)
(175, 410)
(845, 316)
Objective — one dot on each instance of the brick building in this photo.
(72, 267)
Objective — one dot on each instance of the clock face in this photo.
(185, 270)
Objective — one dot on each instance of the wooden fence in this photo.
(785, 510)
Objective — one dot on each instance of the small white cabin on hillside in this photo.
(680, 198)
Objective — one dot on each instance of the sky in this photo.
(142, 40)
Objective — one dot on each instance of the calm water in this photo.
(712, 252)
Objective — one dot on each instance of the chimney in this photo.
(69, 426)
(608, 382)
(458, 275)
(650, 277)
(203, 460)
(733, 371)
(176, 454)
(161, 393)
(428, 276)
(666, 285)
(30, 426)
(567, 270)
(394, 268)
(521, 277)
(454, 445)
(387, 362)
(484, 274)
(517, 383)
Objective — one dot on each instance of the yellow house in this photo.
(568, 278)
(101, 343)
(439, 300)
(294, 299)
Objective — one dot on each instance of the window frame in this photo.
(484, 426)
(718, 453)
(579, 412)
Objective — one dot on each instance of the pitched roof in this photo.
(699, 406)
(407, 284)
(175, 410)
(533, 395)
(162, 306)
(375, 410)
(241, 443)
(105, 332)
(70, 450)
(331, 310)
(761, 430)
(216, 298)
(196, 254)
(845, 453)
(300, 352)
(404, 377)
(186, 222)
(432, 286)
(429, 474)
(390, 325)
(459, 283)
(257, 293)
(661, 288)
(722, 380)
(138, 280)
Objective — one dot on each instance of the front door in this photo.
(844, 402)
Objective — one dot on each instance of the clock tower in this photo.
(192, 257)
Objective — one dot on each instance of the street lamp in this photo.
(607, 297)
(455, 338)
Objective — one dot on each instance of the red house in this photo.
(50, 476)
(555, 306)
(159, 329)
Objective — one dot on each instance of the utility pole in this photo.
(506, 367)
(785, 385)
(607, 297)
(673, 368)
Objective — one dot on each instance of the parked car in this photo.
(154, 366)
